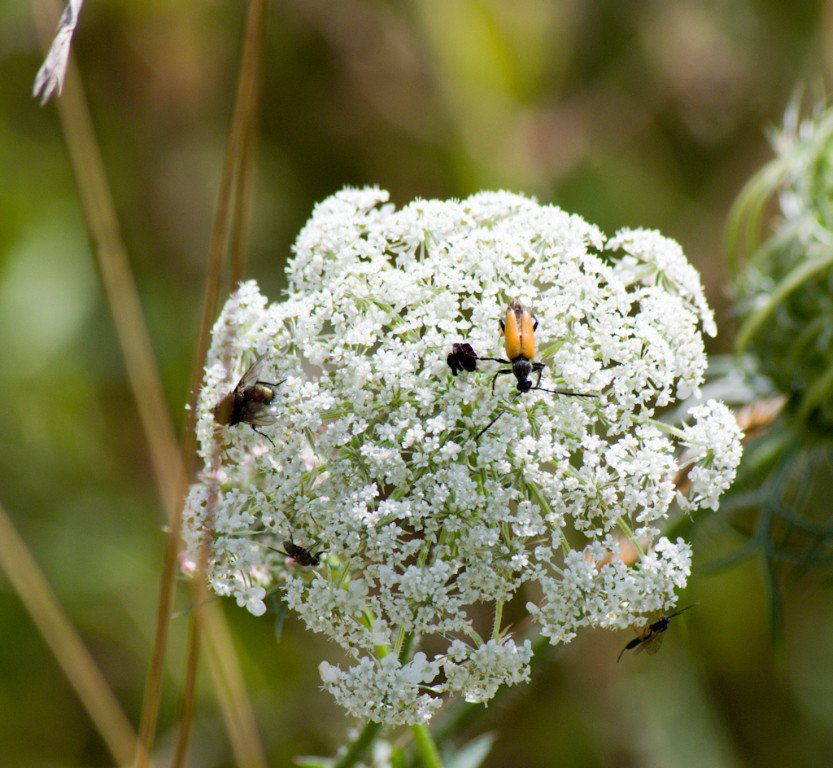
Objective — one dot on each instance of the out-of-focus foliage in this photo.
(630, 114)
(784, 284)
(782, 278)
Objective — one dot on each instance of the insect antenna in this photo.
(565, 392)
(541, 368)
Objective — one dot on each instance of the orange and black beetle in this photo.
(518, 329)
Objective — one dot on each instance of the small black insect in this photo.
(650, 637)
(462, 358)
(249, 402)
(299, 554)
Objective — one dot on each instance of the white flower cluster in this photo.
(415, 535)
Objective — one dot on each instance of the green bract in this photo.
(784, 286)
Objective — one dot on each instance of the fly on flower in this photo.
(301, 555)
(650, 637)
(249, 402)
(518, 329)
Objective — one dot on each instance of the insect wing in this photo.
(300, 554)
(252, 374)
(251, 399)
(652, 641)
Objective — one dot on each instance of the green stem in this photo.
(426, 748)
(669, 429)
(362, 743)
(460, 714)
(498, 619)
(365, 739)
(625, 526)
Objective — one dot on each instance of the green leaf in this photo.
(473, 754)
(308, 761)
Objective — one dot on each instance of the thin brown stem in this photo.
(64, 642)
(230, 224)
(122, 296)
(168, 467)
(235, 189)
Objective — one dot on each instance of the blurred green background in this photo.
(645, 113)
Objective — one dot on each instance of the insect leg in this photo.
(502, 411)
(263, 434)
(494, 378)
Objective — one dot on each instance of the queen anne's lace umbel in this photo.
(424, 534)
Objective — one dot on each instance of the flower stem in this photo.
(360, 745)
(498, 619)
(426, 747)
(363, 742)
